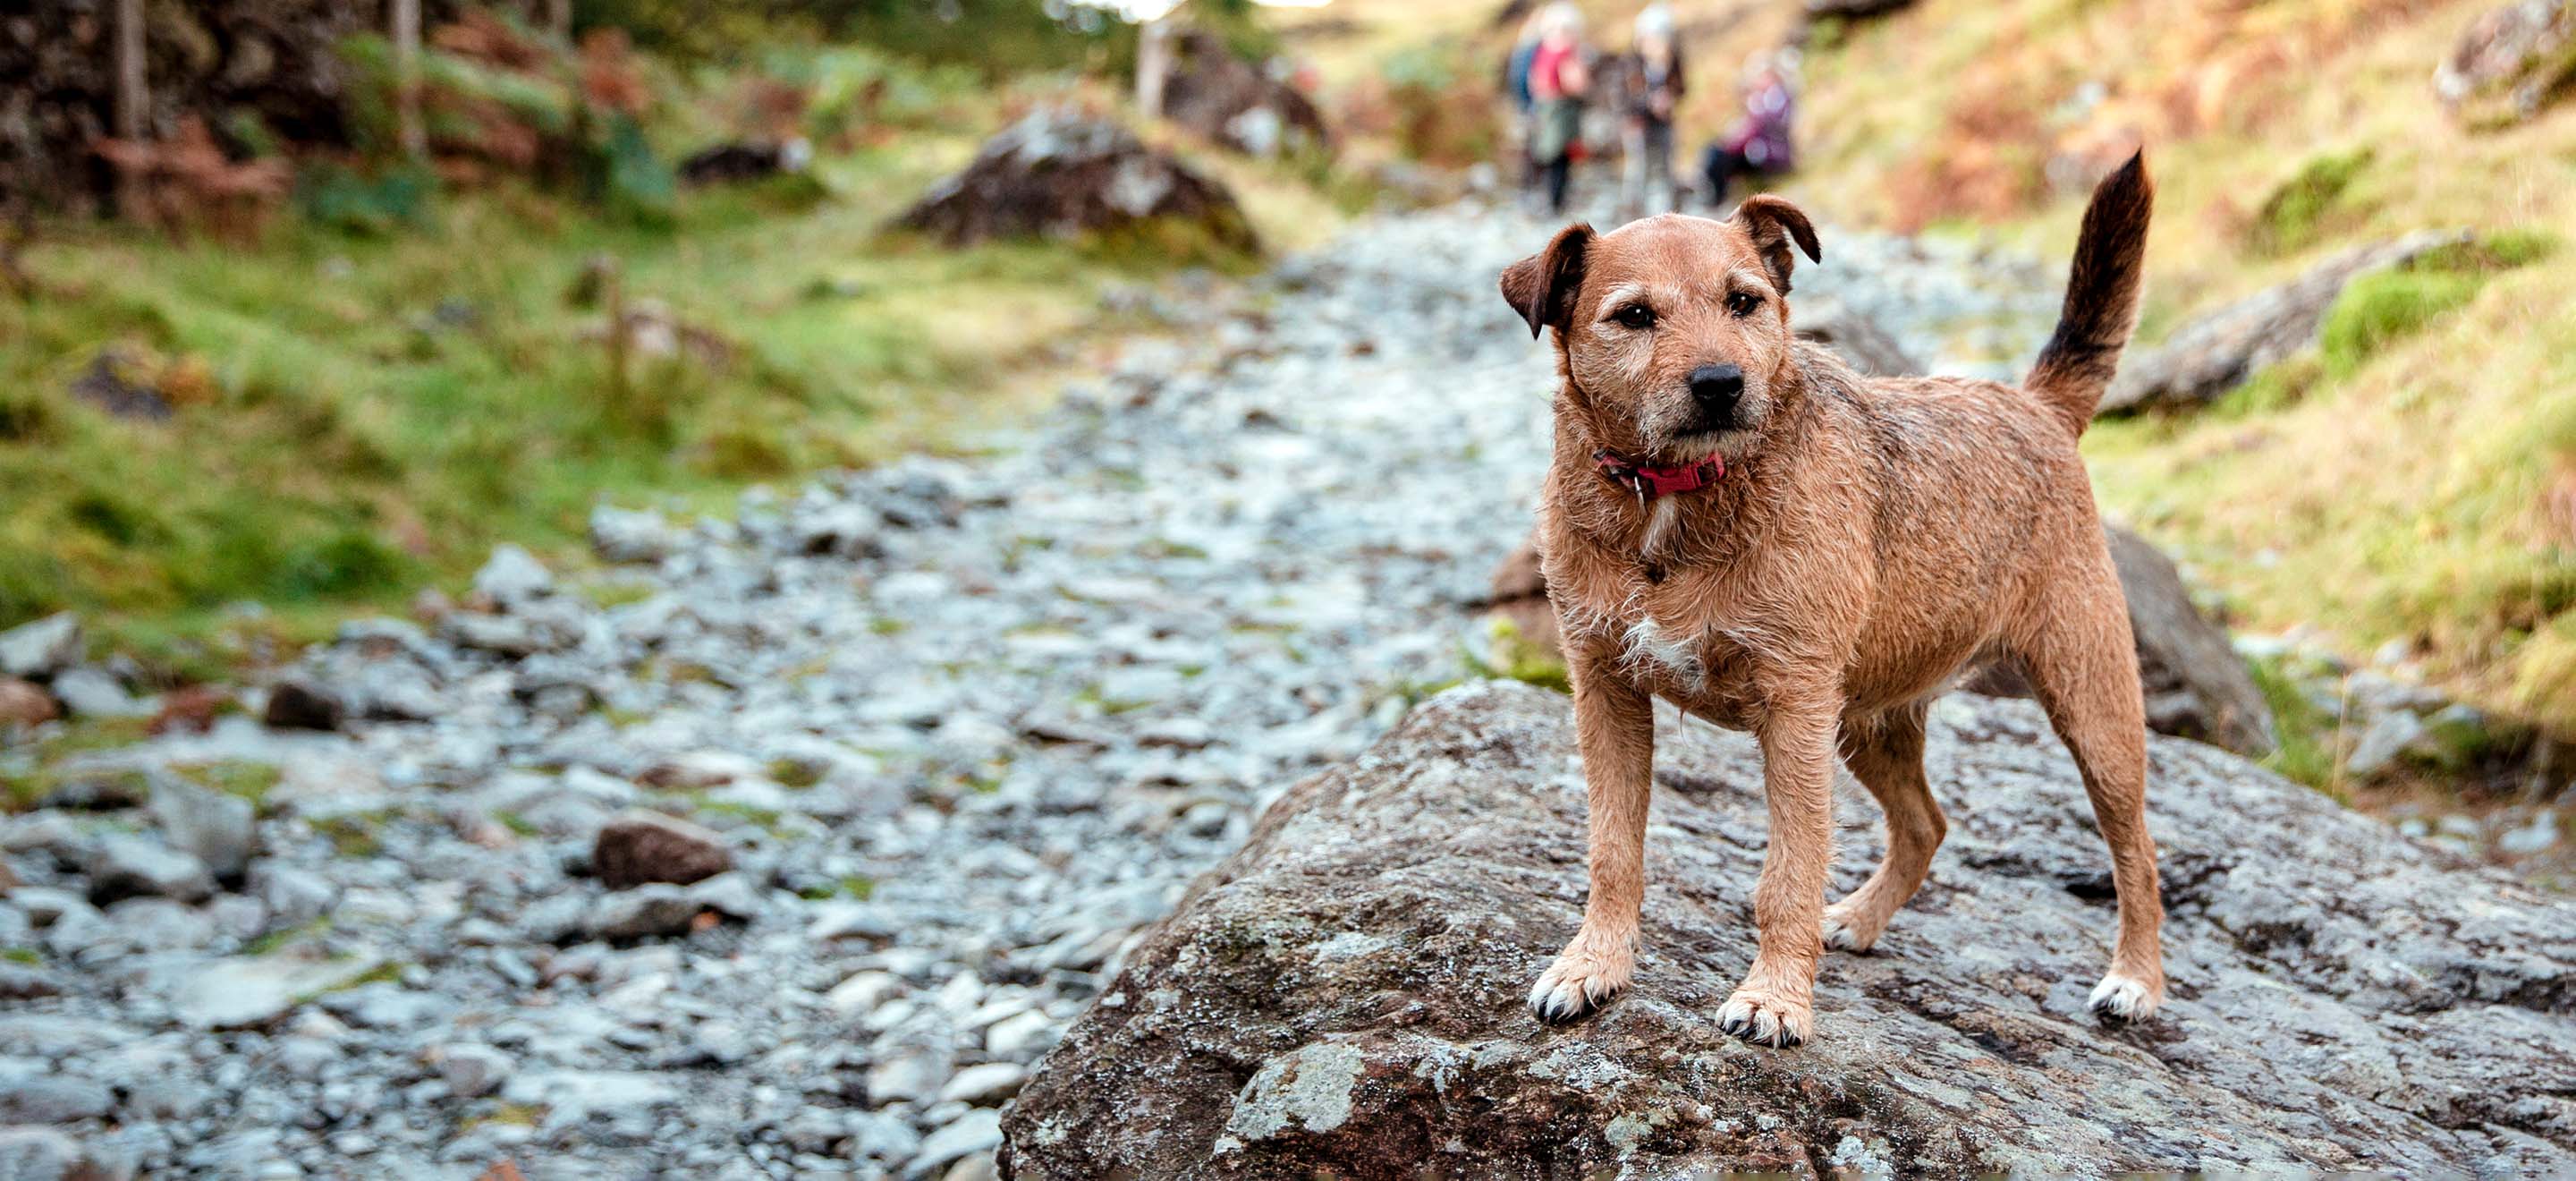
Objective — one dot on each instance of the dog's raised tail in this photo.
(2101, 297)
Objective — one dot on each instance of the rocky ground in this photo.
(1347, 996)
(946, 737)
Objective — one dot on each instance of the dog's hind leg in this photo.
(1615, 729)
(2085, 668)
(1885, 753)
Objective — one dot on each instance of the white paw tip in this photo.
(1758, 1026)
(1842, 938)
(2121, 998)
(1560, 997)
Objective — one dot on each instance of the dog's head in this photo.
(1674, 330)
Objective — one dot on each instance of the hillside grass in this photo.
(356, 415)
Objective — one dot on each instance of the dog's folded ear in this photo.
(1773, 224)
(1542, 287)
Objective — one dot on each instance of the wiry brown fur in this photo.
(1868, 540)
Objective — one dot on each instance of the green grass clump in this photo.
(2308, 736)
(2378, 308)
(2297, 213)
(251, 781)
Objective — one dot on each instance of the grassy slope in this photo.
(2396, 487)
(341, 451)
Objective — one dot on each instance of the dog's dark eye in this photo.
(1635, 315)
(1742, 303)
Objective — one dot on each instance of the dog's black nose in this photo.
(1716, 388)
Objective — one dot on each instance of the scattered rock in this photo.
(472, 1071)
(1520, 599)
(642, 846)
(1349, 987)
(44, 1154)
(976, 1131)
(2219, 350)
(1237, 103)
(2510, 62)
(31, 1097)
(246, 991)
(219, 830)
(2388, 737)
(1060, 173)
(36, 651)
(23, 703)
(124, 865)
(94, 693)
(732, 163)
(985, 1085)
(619, 535)
(298, 704)
(513, 576)
(188, 710)
(1857, 339)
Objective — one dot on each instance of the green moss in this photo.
(2308, 736)
(354, 835)
(1513, 657)
(515, 823)
(22, 955)
(795, 773)
(854, 887)
(2386, 306)
(2277, 387)
(251, 781)
(2298, 213)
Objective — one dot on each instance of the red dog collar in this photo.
(1648, 481)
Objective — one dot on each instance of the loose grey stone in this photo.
(94, 693)
(36, 651)
(123, 865)
(51, 1097)
(472, 1071)
(513, 576)
(217, 829)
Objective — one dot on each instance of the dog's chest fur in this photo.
(1682, 633)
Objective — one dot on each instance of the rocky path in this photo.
(954, 732)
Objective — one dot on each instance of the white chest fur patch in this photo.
(1648, 643)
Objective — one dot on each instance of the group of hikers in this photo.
(1555, 80)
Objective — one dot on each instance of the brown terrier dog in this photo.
(1738, 523)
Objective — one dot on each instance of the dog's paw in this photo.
(1578, 984)
(1846, 929)
(1767, 1019)
(2125, 998)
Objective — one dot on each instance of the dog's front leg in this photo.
(1774, 1005)
(1614, 725)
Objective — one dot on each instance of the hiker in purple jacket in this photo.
(1759, 144)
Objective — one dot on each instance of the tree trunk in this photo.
(406, 20)
(133, 100)
(559, 19)
(1153, 65)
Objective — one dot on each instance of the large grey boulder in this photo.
(1344, 996)
(2510, 62)
(2218, 351)
(1061, 173)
